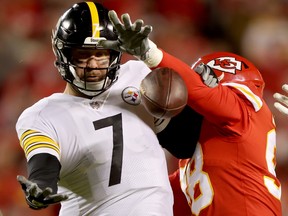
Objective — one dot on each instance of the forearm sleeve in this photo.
(44, 170)
(181, 135)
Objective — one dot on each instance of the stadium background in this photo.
(188, 29)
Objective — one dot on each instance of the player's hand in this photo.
(281, 103)
(37, 198)
(132, 37)
(208, 76)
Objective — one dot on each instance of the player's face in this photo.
(91, 65)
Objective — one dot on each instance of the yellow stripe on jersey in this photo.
(94, 19)
(36, 139)
(31, 148)
(254, 99)
(31, 140)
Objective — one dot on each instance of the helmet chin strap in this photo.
(87, 94)
(90, 89)
(94, 86)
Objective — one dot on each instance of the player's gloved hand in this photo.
(208, 76)
(133, 39)
(281, 103)
(37, 198)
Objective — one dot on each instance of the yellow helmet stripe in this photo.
(94, 19)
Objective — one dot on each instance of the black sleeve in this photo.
(44, 170)
(182, 133)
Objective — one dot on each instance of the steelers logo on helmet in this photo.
(131, 95)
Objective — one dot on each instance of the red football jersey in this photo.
(232, 171)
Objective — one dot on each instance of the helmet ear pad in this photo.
(232, 68)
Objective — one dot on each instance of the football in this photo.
(163, 93)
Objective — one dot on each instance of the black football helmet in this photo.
(83, 26)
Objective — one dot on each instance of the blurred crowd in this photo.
(188, 29)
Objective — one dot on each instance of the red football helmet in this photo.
(232, 68)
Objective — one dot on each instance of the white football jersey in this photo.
(112, 163)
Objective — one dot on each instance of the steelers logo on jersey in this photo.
(131, 95)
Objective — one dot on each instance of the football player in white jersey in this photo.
(93, 147)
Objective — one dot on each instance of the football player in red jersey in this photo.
(232, 171)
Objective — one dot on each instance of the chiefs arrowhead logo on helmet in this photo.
(232, 68)
(226, 64)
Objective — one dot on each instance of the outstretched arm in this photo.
(133, 38)
(40, 188)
